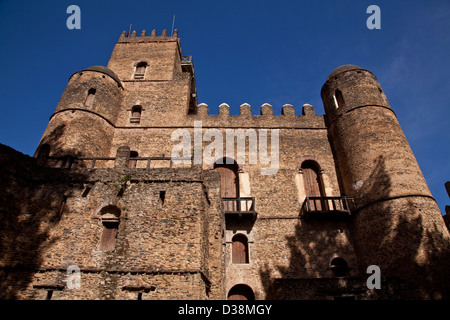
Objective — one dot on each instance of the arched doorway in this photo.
(241, 292)
(313, 184)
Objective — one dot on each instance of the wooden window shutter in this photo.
(239, 249)
(109, 236)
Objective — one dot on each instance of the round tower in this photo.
(397, 224)
(83, 122)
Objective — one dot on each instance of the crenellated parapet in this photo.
(265, 110)
(143, 37)
(264, 118)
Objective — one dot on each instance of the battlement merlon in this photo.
(151, 38)
(266, 110)
(288, 118)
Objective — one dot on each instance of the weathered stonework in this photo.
(102, 169)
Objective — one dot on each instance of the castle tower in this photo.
(83, 122)
(146, 82)
(397, 225)
(156, 77)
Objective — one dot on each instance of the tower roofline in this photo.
(151, 38)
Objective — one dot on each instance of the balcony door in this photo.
(229, 179)
(313, 184)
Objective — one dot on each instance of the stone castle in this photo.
(105, 211)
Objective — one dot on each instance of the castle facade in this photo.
(137, 192)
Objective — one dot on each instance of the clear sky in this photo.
(279, 52)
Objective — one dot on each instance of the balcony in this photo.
(187, 64)
(239, 207)
(327, 207)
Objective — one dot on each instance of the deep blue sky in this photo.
(277, 52)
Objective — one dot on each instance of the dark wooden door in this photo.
(239, 249)
(313, 187)
(228, 181)
(109, 236)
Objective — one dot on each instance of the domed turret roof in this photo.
(106, 71)
(344, 68)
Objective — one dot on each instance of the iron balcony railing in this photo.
(240, 206)
(327, 207)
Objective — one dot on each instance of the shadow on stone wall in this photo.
(400, 236)
(31, 204)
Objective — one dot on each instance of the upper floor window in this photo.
(110, 219)
(338, 98)
(90, 97)
(136, 114)
(140, 70)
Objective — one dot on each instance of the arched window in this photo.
(132, 162)
(229, 178)
(241, 292)
(338, 98)
(110, 221)
(313, 183)
(90, 97)
(140, 70)
(239, 251)
(136, 114)
(339, 267)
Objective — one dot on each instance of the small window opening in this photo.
(110, 219)
(338, 99)
(90, 97)
(62, 206)
(339, 267)
(139, 296)
(86, 192)
(140, 70)
(132, 162)
(49, 295)
(136, 114)
(162, 197)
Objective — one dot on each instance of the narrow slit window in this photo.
(162, 197)
(86, 192)
(49, 295)
(90, 97)
(338, 99)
